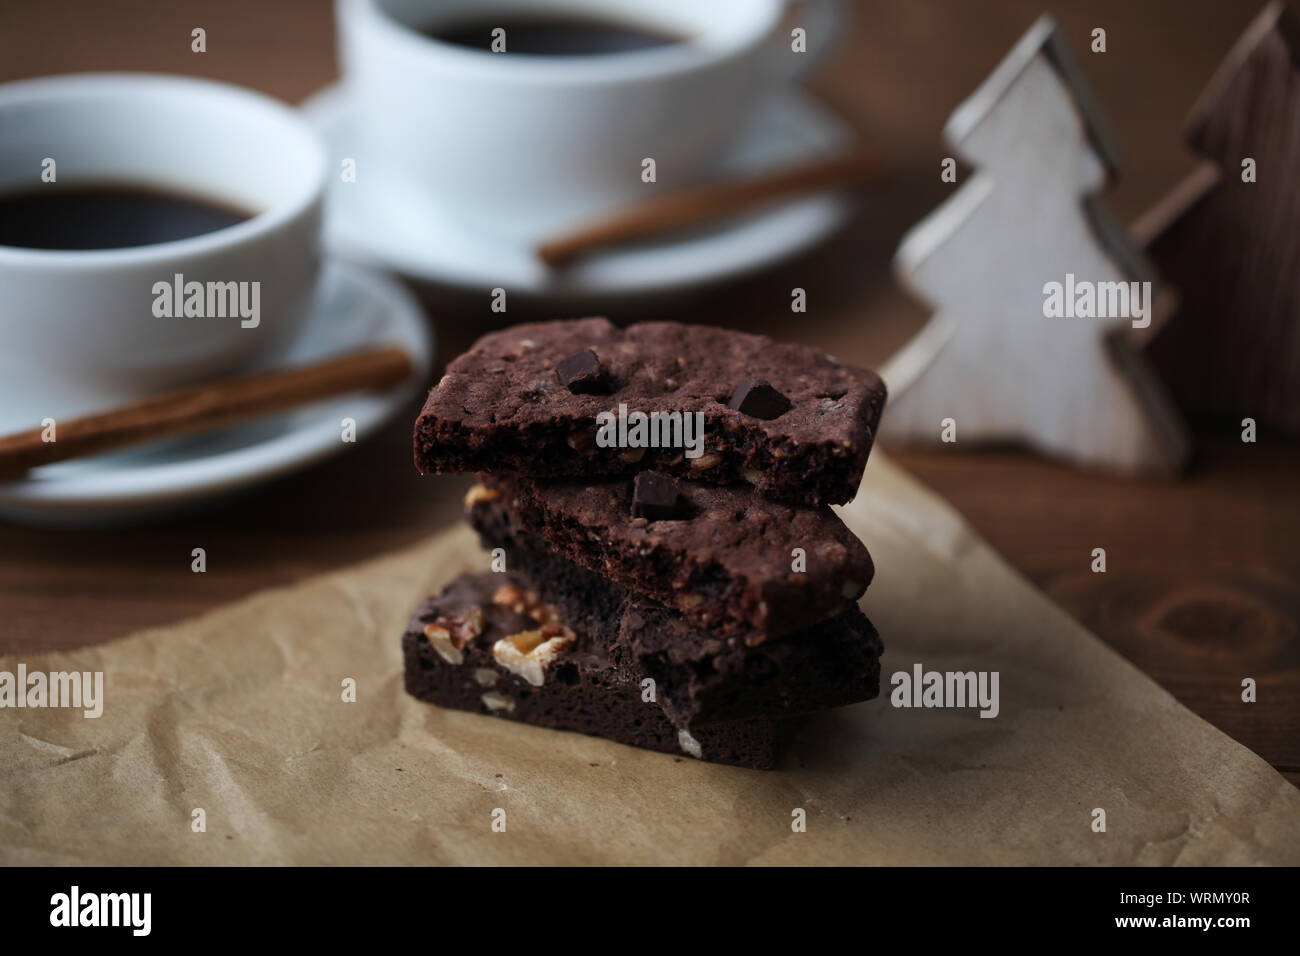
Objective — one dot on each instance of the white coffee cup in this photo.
(79, 329)
(523, 145)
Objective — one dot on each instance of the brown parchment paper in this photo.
(240, 713)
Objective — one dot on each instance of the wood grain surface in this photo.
(1202, 583)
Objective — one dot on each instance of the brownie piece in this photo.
(833, 663)
(787, 419)
(700, 678)
(728, 565)
(486, 646)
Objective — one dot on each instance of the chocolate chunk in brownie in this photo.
(737, 566)
(529, 400)
(581, 373)
(700, 678)
(759, 399)
(655, 497)
(518, 661)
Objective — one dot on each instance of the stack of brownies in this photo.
(668, 571)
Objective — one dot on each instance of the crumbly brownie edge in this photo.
(806, 473)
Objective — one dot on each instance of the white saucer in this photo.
(363, 225)
(355, 308)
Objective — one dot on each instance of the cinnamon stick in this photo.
(704, 203)
(202, 408)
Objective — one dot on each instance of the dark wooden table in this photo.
(1201, 588)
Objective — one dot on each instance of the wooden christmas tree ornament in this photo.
(1036, 290)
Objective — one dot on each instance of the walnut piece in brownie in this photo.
(526, 401)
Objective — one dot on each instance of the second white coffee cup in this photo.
(523, 145)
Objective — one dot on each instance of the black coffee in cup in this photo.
(558, 34)
(107, 216)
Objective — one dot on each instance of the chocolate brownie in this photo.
(786, 419)
(486, 646)
(733, 564)
(700, 678)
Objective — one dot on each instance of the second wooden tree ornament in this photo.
(1038, 295)
(1226, 238)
